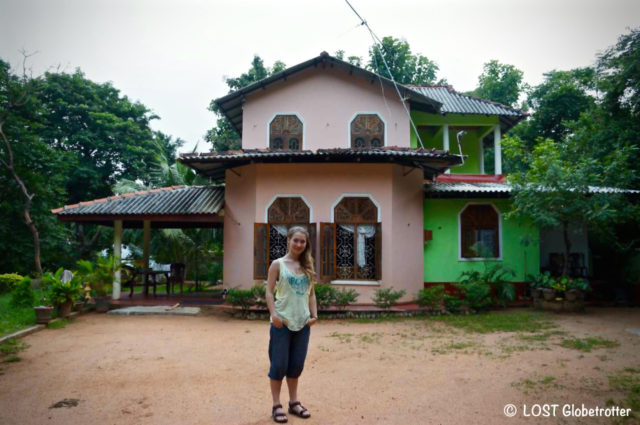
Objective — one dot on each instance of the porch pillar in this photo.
(146, 224)
(481, 154)
(497, 149)
(117, 255)
(445, 141)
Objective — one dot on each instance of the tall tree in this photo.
(405, 67)
(500, 83)
(223, 136)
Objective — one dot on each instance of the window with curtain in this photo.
(285, 132)
(350, 247)
(480, 231)
(367, 131)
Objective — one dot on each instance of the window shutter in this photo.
(378, 247)
(260, 250)
(312, 240)
(327, 251)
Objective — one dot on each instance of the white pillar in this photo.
(146, 224)
(117, 254)
(497, 150)
(445, 140)
(481, 155)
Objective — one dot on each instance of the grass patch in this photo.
(342, 337)
(539, 337)
(382, 318)
(453, 346)
(58, 324)
(589, 343)
(627, 381)
(373, 337)
(537, 384)
(12, 359)
(12, 346)
(14, 319)
(507, 321)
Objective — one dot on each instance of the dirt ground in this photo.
(212, 369)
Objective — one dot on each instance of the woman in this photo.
(292, 304)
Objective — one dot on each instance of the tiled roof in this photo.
(459, 103)
(174, 200)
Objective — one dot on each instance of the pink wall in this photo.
(326, 100)
(399, 197)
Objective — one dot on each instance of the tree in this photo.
(405, 67)
(554, 191)
(223, 136)
(500, 83)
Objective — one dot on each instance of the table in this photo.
(152, 275)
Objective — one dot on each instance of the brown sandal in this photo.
(280, 418)
(302, 411)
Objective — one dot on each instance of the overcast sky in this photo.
(173, 55)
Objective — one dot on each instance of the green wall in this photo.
(441, 262)
(432, 138)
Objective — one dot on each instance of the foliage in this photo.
(9, 281)
(386, 298)
(560, 284)
(495, 278)
(325, 295)
(353, 60)
(23, 295)
(500, 83)
(431, 297)
(61, 292)
(452, 303)
(541, 280)
(223, 136)
(259, 293)
(476, 294)
(343, 297)
(98, 275)
(242, 298)
(12, 318)
(504, 321)
(405, 67)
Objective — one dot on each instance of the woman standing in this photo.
(291, 300)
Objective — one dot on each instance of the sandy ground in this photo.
(212, 369)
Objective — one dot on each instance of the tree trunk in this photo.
(567, 248)
(35, 234)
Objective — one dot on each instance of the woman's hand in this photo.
(277, 321)
(312, 321)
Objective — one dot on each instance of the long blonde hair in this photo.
(306, 259)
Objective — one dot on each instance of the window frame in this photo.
(355, 115)
(499, 236)
(304, 129)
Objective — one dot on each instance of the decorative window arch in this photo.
(367, 130)
(351, 245)
(480, 231)
(270, 239)
(286, 132)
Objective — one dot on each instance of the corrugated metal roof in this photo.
(458, 103)
(500, 189)
(174, 200)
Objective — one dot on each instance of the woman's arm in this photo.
(274, 271)
(313, 307)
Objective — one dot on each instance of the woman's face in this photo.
(297, 243)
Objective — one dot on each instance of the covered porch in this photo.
(175, 207)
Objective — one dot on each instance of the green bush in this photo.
(61, 292)
(452, 304)
(259, 293)
(431, 297)
(477, 295)
(386, 297)
(23, 295)
(494, 277)
(344, 297)
(242, 298)
(325, 295)
(9, 281)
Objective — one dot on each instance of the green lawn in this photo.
(14, 319)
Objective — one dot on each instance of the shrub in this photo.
(477, 295)
(9, 281)
(431, 297)
(23, 295)
(344, 297)
(386, 297)
(61, 292)
(452, 303)
(325, 295)
(495, 278)
(242, 298)
(259, 293)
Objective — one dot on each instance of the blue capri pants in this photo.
(287, 351)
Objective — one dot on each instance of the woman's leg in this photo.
(279, 342)
(297, 357)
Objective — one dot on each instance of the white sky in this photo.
(173, 55)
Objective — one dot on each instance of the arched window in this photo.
(270, 239)
(350, 248)
(367, 131)
(479, 231)
(285, 132)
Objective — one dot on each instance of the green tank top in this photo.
(292, 298)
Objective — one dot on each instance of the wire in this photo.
(377, 43)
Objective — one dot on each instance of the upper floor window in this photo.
(285, 132)
(367, 131)
(480, 231)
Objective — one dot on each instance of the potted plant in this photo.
(63, 291)
(576, 289)
(44, 309)
(98, 278)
